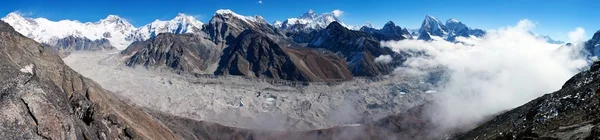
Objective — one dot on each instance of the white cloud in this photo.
(383, 59)
(337, 13)
(501, 70)
(577, 36)
(260, 2)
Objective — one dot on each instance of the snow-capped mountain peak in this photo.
(311, 20)
(181, 24)
(230, 14)
(309, 15)
(432, 26)
(368, 25)
(117, 30)
(453, 28)
(277, 24)
(452, 20)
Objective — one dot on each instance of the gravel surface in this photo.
(254, 103)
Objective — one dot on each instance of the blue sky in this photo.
(552, 17)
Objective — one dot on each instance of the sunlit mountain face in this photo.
(310, 70)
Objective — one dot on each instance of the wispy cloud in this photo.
(25, 14)
(337, 12)
(260, 2)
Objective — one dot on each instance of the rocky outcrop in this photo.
(72, 43)
(592, 47)
(358, 48)
(191, 53)
(569, 113)
(254, 54)
(42, 98)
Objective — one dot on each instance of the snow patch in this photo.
(27, 69)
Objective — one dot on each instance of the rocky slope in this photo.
(226, 25)
(42, 98)
(254, 54)
(72, 43)
(569, 113)
(192, 53)
(358, 48)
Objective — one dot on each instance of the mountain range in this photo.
(113, 28)
(42, 98)
(311, 47)
(121, 33)
(45, 99)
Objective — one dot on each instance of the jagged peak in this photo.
(13, 14)
(430, 17)
(452, 20)
(248, 19)
(389, 23)
(309, 15)
(113, 17)
(224, 12)
(335, 25)
(185, 18)
(431, 20)
(368, 25)
(597, 35)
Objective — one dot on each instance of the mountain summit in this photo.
(453, 28)
(310, 21)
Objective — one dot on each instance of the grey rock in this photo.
(189, 53)
(72, 43)
(42, 98)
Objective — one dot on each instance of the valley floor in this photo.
(253, 103)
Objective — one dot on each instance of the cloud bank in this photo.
(499, 71)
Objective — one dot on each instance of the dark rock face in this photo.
(569, 113)
(592, 46)
(42, 98)
(72, 43)
(389, 32)
(184, 53)
(358, 48)
(456, 29)
(256, 55)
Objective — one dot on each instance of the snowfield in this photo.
(254, 103)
